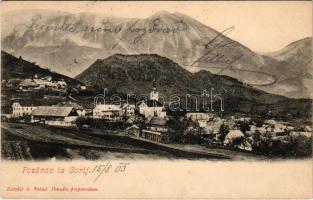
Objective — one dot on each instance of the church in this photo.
(152, 108)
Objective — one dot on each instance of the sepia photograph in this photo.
(113, 84)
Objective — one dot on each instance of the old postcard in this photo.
(156, 100)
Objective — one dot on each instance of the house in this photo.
(79, 109)
(201, 118)
(243, 119)
(156, 131)
(274, 127)
(152, 107)
(108, 111)
(133, 131)
(301, 133)
(47, 78)
(13, 82)
(54, 116)
(27, 84)
(5, 117)
(152, 135)
(52, 84)
(128, 110)
(307, 129)
(83, 88)
(158, 124)
(246, 144)
(232, 136)
(18, 110)
(269, 122)
(213, 125)
(40, 82)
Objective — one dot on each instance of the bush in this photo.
(302, 145)
(296, 146)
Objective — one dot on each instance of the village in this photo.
(150, 121)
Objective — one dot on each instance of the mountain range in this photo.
(69, 43)
(135, 75)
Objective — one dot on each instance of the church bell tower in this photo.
(154, 94)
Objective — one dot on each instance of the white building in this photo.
(19, 111)
(201, 118)
(27, 84)
(108, 111)
(152, 108)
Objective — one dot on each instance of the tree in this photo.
(176, 129)
(224, 130)
(191, 132)
(244, 126)
(302, 145)
(80, 121)
(259, 122)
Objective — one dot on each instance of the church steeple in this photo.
(154, 95)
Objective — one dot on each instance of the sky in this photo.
(263, 26)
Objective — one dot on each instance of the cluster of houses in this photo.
(110, 112)
(154, 113)
(65, 114)
(35, 83)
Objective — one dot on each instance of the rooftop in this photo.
(54, 111)
(158, 121)
(109, 107)
(152, 132)
(71, 104)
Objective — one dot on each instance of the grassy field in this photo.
(22, 141)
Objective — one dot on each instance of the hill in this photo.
(13, 67)
(16, 69)
(134, 74)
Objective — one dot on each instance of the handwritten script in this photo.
(96, 171)
(134, 28)
(214, 54)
